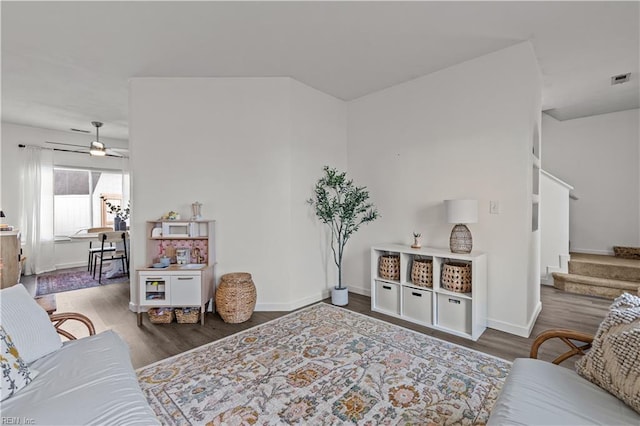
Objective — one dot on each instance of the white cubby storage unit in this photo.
(462, 314)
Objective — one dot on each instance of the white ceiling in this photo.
(65, 64)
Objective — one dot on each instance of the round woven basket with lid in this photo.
(236, 297)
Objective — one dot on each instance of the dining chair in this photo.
(94, 250)
(111, 237)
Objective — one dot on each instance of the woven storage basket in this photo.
(187, 316)
(422, 272)
(389, 267)
(627, 252)
(236, 297)
(160, 315)
(456, 277)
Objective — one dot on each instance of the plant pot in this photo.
(339, 296)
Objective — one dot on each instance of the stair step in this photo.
(601, 266)
(594, 286)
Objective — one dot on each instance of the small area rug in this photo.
(325, 365)
(66, 281)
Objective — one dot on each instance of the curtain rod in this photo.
(21, 145)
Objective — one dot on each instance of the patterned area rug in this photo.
(66, 281)
(325, 365)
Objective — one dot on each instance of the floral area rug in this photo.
(325, 365)
(66, 281)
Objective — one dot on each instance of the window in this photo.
(76, 198)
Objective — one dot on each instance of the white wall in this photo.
(67, 254)
(318, 138)
(463, 132)
(554, 226)
(230, 144)
(599, 156)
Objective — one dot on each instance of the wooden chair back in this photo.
(98, 230)
(113, 236)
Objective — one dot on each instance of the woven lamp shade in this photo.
(461, 212)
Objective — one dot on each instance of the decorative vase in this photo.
(119, 224)
(339, 296)
(417, 242)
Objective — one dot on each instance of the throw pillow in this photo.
(15, 372)
(613, 363)
(27, 324)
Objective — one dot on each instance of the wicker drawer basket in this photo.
(187, 315)
(161, 315)
(422, 272)
(389, 267)
(456, 277)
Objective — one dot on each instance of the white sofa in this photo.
(88, 381)
(544, 393)
(541, 393)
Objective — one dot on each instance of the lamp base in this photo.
(460, 241)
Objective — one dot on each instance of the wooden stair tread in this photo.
(600, 282)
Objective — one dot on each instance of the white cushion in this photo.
(90, 381)
(541, 393)
(27, 324)
(15, 372)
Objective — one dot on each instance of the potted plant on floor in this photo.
(343, 207)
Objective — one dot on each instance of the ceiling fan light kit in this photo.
(97, 148)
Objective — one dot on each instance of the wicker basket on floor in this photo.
(422, 272)
(236, 297)
(161, 315)
(389, 267)
(187, 315)
(456, 277)
(627, 252)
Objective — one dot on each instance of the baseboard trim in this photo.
(546, 280)
(288, 307)
(360, 291)
(518, 330)
(71, 265)
(590, 251)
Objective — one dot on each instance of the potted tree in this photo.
(343, 207)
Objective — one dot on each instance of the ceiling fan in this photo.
(97, 148)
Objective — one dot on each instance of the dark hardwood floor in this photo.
(108, 307)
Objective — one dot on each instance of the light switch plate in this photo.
(494, 207)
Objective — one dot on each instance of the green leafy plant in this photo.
(343, 207)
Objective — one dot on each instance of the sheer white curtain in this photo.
(37, 210)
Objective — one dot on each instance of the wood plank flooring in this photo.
(107, 306)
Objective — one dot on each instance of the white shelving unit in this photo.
(461, 314)
(178, 286)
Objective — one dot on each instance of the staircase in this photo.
(598, 275)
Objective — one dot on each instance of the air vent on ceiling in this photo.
(620, 78)
(80, 130)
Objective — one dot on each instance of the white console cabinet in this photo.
(176, 287)
(462, 314)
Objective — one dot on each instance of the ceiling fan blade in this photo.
(115, 152)
(67, 144)
(121, 150)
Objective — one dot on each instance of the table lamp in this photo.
(461, 212)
